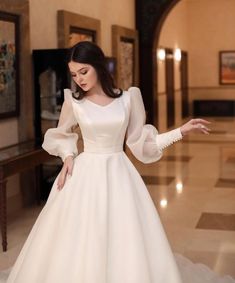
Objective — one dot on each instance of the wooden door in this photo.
(184, 84)
(170, 88)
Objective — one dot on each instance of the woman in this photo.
(99, 224)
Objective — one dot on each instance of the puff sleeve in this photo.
(60, 141)
(143, 139)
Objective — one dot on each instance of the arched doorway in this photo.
(171, 90)
(150, 16)
(169, 70)
(210, 39)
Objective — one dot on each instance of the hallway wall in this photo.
(211, 29)
(44, 25)
(201, 29)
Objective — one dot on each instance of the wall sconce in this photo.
(177, 54)
(161, 54)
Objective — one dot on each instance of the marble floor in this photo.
(193, 189)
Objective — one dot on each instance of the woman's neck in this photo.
(96, 90)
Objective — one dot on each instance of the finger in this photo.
(60, 184)
(196, 126)
(203, 121)
(61, 179)
(195, 121)
(70, 169)
(203, 128)
(59, 187)
(205, 131)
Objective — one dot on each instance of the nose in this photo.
(78, 79)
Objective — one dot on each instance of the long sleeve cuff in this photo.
(168, 138)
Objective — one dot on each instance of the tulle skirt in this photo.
(102, 227)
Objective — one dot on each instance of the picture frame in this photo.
(227, 67)
(77, 34)
(72, 28)
(9, 65)
(125, 48)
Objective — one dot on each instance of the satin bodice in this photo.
(103, 128)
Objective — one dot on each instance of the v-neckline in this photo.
(99, 105)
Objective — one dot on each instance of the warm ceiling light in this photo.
(177, 54)
(161, 54)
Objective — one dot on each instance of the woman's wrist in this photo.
(69, 157)
(183, 132)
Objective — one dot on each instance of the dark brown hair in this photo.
(86, 52)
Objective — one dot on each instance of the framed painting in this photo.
(125, 50)
(227, 67)
(73, 28)
(9, 65)
(77, 34)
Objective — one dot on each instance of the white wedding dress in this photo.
(103, 227)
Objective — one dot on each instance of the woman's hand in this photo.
(65, 171)
(195, 124)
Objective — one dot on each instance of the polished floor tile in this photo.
(218, 132)
(231, 160)
(176, 158)
(157, 180)
(225, 183)
(216, 221)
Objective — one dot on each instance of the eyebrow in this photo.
(79, 70)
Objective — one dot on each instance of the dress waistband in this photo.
(96, 149)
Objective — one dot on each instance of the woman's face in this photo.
(84, 75)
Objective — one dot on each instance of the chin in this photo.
(86, 88)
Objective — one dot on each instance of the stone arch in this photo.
(155, 39)
(150, 16)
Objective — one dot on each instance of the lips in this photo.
(83, 85)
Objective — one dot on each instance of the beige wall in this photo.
(174, 31)
(212, 29)
(44, 26)
(201, 29)
(43, 34)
